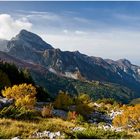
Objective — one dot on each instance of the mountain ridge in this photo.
(27, 47)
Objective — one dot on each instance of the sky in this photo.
(103, 29)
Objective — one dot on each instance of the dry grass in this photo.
(11, 128)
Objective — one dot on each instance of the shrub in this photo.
(23, 94)
(99, 134)
(63, 101)
(72, 115)
(83, 109)
(47, 111)
(108, 101)
(79, 119)
(8, 111)
(83, 106)
(18, 113)
(130, 118)
(82, 98)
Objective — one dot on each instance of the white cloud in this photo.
(65, 31)
(9, 26)
(80, 32)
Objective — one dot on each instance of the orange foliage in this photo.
(130, 118)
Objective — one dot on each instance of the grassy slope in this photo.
(24, 129)
(11, 128)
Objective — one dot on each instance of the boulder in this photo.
(60, 113)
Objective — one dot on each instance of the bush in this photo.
(108, 101)
(83, 106)
(82, 98)
(83, 109)
(72, 115)
(79, 119)
(130, 118)
(63, 101)
(18, 113)
(23, 94)
(47, 111)
(99, 134)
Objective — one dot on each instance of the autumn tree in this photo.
(83, 104)
(23, 95)
(63, 101)
(130, 118)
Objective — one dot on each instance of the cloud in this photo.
(44, 15)
(65, 31)
(80, 32)
(76, 34)
(9, 26)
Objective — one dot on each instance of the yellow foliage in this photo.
(23, 94)
(83, 98)
(129, 118)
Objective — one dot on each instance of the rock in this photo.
(90, 121)
(72, 108)
(47, 134)
(60, 113)
(115, 113)
(4, 102)
(97, 105)
(97, 117)
(58, 133)
(78, 129)
(16, 138)
(51, 135)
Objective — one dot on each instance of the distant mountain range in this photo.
(28, 50)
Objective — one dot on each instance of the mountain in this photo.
(27, 46)
(126, 66)
(31, 50)
(3, 44)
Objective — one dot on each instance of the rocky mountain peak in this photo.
(28, 36)
(29, 40)
(124, 62)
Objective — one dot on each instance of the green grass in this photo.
(95, 133)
